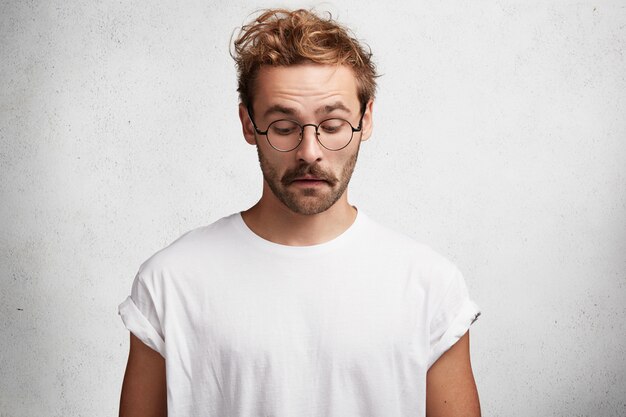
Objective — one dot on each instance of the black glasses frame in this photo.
(316, 126)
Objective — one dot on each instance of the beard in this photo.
(307, 201)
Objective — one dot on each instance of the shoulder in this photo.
(434, 279)
(430, 267)
(189, 250)
(391, 240)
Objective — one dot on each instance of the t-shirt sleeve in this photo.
(453, 317)
(139, 314)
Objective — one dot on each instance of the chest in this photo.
(320, 316)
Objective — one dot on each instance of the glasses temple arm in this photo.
(259, 132)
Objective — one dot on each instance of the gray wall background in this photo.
(500, 140)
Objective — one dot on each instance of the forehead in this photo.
(306, 86)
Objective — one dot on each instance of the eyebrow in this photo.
(329, 108)
(277, 108)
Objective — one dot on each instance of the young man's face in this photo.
(309, 179)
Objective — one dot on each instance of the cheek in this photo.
(339, 162)
(348, 163)
(276, 161)
(340, 165)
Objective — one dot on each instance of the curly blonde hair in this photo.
(280, 37)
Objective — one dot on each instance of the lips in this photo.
(310, 179)
(309, 182)
(308, 174)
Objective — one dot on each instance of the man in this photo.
(300, 305)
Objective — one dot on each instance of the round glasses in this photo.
(285, 135)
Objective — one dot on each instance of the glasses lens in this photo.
(284, 134)
(335, 133)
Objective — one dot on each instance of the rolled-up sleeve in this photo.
(140, 317)
(456, 313)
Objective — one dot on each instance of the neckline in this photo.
(278, 248)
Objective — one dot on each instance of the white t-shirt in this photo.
(252, 328)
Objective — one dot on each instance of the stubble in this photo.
(307, 201)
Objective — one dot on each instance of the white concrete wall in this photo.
(500, 139)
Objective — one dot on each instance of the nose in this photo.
(309, 150)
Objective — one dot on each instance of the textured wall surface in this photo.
(500, 140)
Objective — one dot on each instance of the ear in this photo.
(368, 122)
(246, 125)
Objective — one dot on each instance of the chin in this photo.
(309, 205)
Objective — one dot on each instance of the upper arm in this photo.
(450, 386)
(144, 391)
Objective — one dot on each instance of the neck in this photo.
(273, 221)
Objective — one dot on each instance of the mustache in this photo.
(313, 170)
